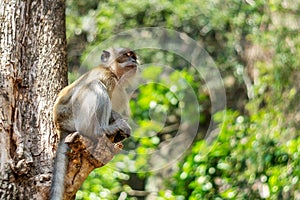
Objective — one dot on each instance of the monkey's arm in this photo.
(93, 115)
(114, 116)
(117, 131)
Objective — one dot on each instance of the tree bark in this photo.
(33, 64)
(85, 156)
(33, 70)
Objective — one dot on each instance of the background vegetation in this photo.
(255, 45)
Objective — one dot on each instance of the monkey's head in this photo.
(122, 61)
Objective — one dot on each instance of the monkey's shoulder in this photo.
(106, 76)
(100, 73)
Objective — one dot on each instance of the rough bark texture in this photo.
(86, 155)
(33, 70)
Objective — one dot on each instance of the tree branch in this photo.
(84, 156)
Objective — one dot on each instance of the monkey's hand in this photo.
(114, 116)
(118, 130)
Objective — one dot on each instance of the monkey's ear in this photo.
(105, 55)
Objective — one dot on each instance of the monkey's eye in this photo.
(131, 55)
(134, 56)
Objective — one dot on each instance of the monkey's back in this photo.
(84, 101)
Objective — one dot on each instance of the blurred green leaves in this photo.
(256, 154)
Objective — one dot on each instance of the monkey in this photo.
(92, 106)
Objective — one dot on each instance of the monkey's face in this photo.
(122, 61)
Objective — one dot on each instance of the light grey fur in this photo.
(91, 110)
(85, 106)
(93, 105)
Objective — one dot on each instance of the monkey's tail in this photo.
(59, 171)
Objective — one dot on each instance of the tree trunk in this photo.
(33, 70)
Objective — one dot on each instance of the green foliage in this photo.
(256, 154)
(249, 160)
(95, 188)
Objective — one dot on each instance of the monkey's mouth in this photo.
(131, 66)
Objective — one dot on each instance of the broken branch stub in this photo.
(84, 156)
